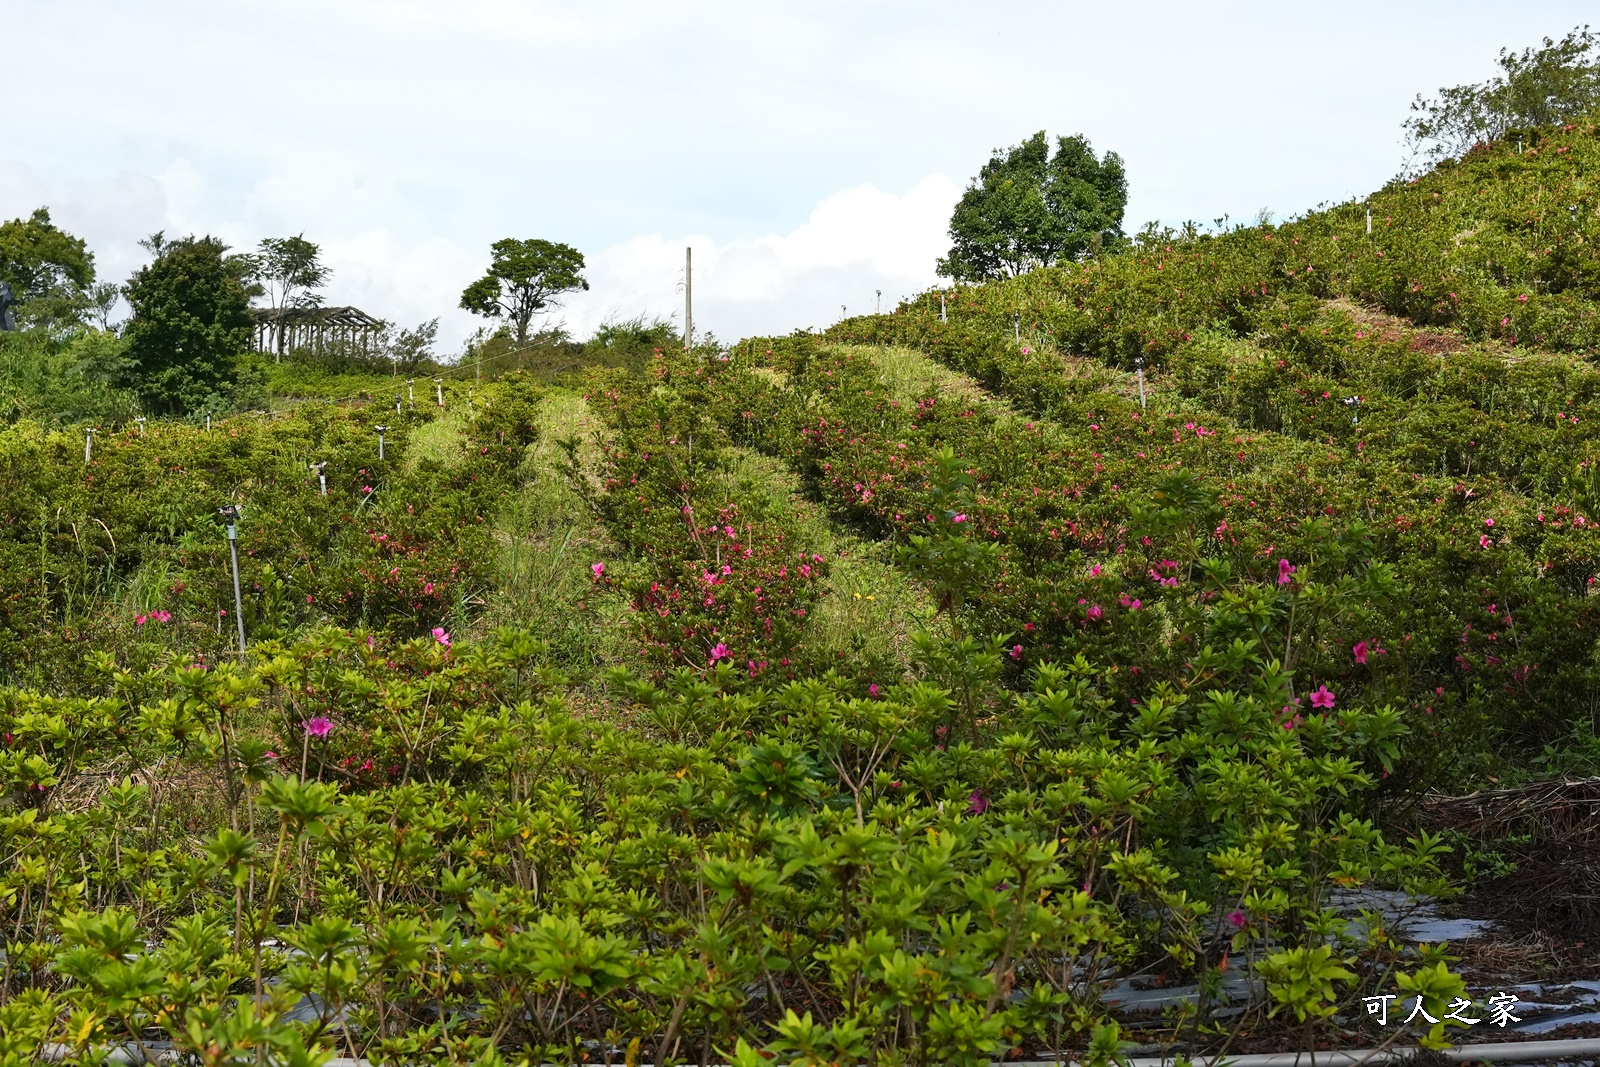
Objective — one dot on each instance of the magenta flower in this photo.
(1236, 918)
(1285, 571)
(1095, 611)
(366, 488)
(873, 689)
(440, 636)
(598, 570)
(1489, 523)
(1483, 541)
(317, 727)
(959, 518)
(720, 652)
(976, 804)
(1016, 652)
(1094, 572)
(1322, 698)
(1360, 651)
(139, 620)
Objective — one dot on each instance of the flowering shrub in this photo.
(428, 840)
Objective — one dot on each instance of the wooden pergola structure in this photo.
(280, 330)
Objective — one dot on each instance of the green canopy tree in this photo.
(48, 270)
(191, 320)
(525, 278)
(1028, 208)
(1537, 87)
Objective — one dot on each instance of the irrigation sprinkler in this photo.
(397, 403)
(1572, 209)
(322, 477)
(1138, 366)
(411, 395)
(88, 444)
(381, 430)
(942, 316)
(880, 301)
(140, 420)
(230, 515)
(438, 388)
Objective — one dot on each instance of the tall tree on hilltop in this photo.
(191, 320)
(288, 271)
(1539, 87)
(48, 270)
(524, 279)
(1028, 208)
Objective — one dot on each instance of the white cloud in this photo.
(855, 243)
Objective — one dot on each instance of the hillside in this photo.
(919, 692)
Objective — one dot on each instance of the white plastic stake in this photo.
(438, 387)
(380, 430)
(88, 444)
(140, 420)
(942, 316)
(230, 515)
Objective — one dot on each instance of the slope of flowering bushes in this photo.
(721, 574)
(439, 851)
(1168, 546)
(127, 549)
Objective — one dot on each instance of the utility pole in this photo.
(230, 515)
(688, 298)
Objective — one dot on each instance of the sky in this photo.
(809, 153)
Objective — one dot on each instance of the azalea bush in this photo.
(91, 551)
(431, 841)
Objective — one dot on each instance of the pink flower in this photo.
(1322, 698)
(1095, 611)
(1360, 650)
(317, 727)
(1236, 918)
(959, 518)
(872, 690)
(427, 589)
(720, 652)
(1483, 541)
(1285, 571)
(1094, 572)
(366, 488)
(139, 620)
(440, 636)
(1016, 652)
(976, 804)
(1488, 522)
(598, 570)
